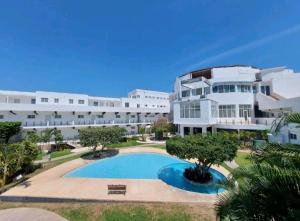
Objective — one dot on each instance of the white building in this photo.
(236, 98)
(70, 112)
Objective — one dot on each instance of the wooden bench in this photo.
(116, 189)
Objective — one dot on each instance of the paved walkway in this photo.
(52, 184)
(29, 214)
(232, 164)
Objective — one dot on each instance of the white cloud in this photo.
(249, 45)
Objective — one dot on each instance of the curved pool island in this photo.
(150, 175)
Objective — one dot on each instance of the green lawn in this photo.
(60, 153)
(40, 156)
(160, 146)
(242, 159)
(128, 143)
(125, 211)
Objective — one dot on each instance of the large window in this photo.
(190, 110)
(244, 88)
(214, 109)
(245, 109)
(224, 88)
(197, 91)
(227, 111)
(185, 93)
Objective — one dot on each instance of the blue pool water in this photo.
(147, 166)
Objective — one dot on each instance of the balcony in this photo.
(250, 124)
(84, 123)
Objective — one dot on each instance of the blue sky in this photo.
(107, 48)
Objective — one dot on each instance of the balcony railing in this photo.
(255, 121)
(84, 122)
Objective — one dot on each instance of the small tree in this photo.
(142, 131)
(58, 138)
(207, 150)
(8, 162)
(46, 135)
(89, 137)
(160, 127)
(8, 129)
(32, 136)
(93, 137)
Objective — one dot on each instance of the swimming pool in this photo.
(147, 166)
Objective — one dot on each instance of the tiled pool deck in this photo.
(51, 185)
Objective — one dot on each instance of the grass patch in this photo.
(159, 146)
(40, 155)
(128, 143)
(75, 214)
(226, 167)
(60, 153)
(242, 159)
(125, 211)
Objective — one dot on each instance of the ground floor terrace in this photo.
(52, 185)
(230, 125)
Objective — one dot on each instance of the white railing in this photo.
(84, 123)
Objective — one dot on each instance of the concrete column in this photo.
(213, 129)
(181, 130)
(191, 130)
(204, 130)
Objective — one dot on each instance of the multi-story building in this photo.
(228, 97)
(70, 112)
(236, 98)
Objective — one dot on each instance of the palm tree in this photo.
(269, 189)
(284, 120)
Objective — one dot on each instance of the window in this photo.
(244, 88)
(190, 110)
(96, 103)
(32, 100)
(245, 108)
(71, 101)
(126, 104)
(1, 116)
(80, 116)
(224, 88)
(56, 100)
(293, 136)
(118, 116)
(185, 93)
(265, 90)
(80, 101)
(214, 109)
(57, 116)
(132, 116)
(254, 89)
(227, 111)
(31, 116)
(138, 105)
(17, 100)
(99, 116)
(44, 99)
(197, 91)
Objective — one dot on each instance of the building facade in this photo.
(69, 112)
(236, 98)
